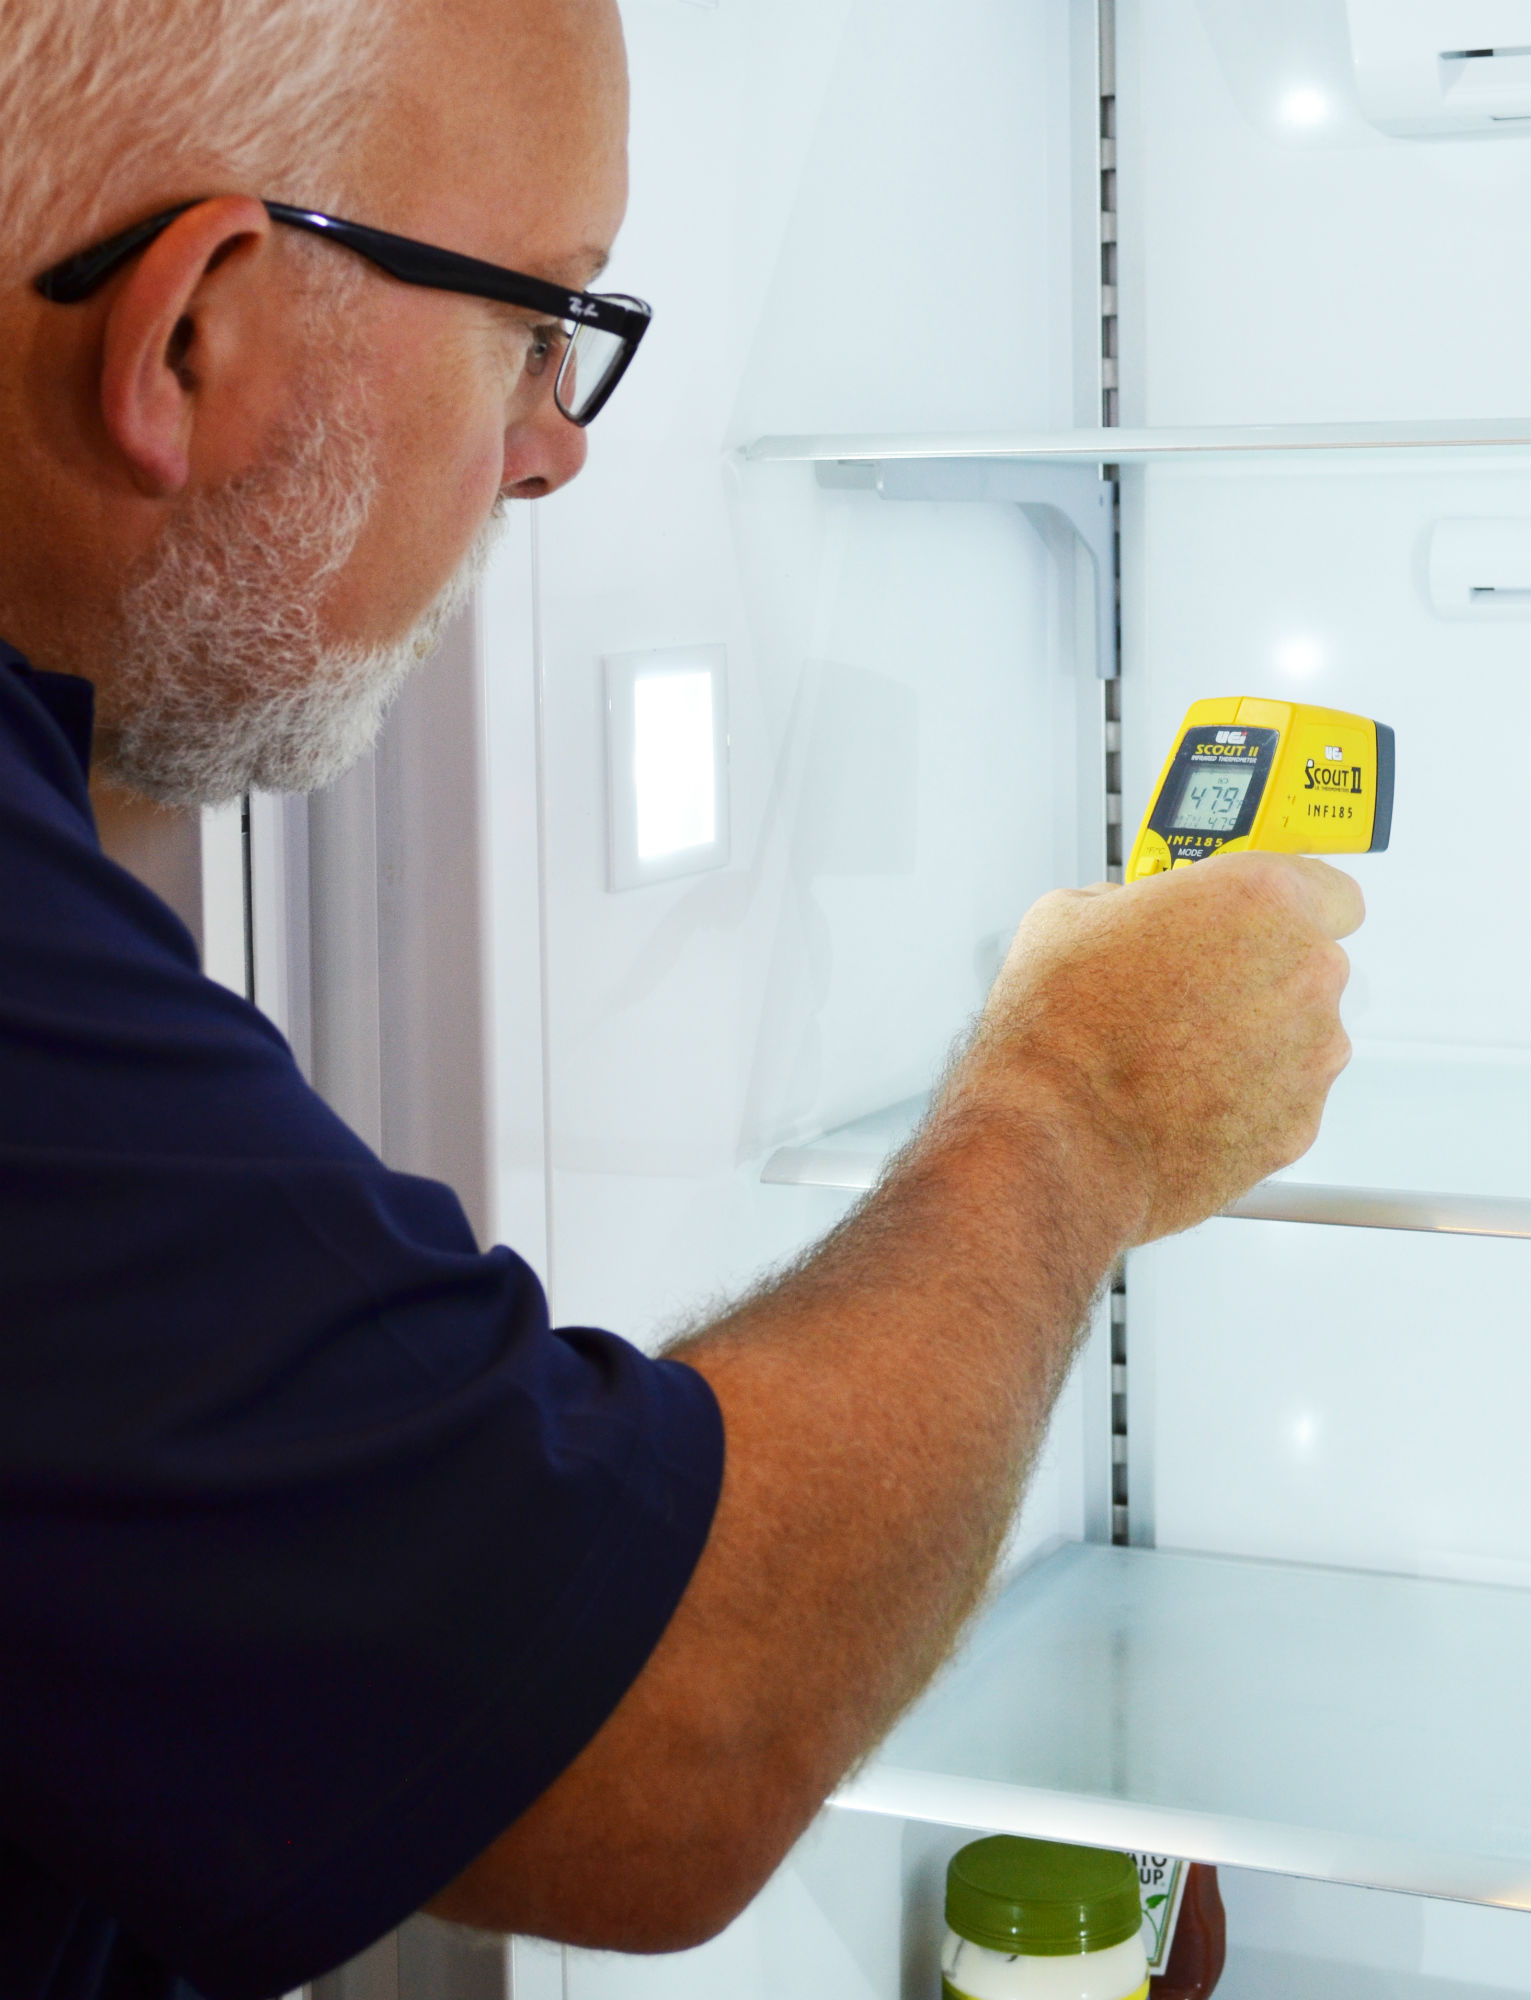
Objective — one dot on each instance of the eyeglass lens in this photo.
(590, 361)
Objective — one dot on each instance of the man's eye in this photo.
(545, 344)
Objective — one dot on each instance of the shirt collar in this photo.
(69, 701)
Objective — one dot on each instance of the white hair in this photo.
(108, 107)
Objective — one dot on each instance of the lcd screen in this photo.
(1213, 797)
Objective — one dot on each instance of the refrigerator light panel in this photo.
(675, 779)
(666, 764)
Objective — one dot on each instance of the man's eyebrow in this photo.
(580, 271)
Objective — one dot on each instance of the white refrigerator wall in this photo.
(1283, 261)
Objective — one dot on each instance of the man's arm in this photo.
(1146, 1055)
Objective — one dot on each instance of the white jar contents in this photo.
(1038, 1920)
(972, 1972)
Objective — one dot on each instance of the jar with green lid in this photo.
(1034, 1920)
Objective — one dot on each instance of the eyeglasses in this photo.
(592, 336)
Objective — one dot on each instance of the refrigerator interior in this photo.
(873, 216)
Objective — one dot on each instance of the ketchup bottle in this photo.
(1200, 1944)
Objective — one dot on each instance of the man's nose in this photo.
(543, 451)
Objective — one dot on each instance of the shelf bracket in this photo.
(1074, 494)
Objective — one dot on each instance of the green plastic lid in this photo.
(1040, 1898)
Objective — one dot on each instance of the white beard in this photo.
(221, 681)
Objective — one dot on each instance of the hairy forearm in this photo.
(883, 1402)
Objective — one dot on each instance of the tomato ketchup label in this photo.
(1161, 1884)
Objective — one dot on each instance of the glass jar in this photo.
(1035, 1920)
(1200, 1945)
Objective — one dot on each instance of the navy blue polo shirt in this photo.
(321, 1555)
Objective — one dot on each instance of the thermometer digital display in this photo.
(1211, 800)
(1274, 774)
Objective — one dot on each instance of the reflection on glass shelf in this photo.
(1122, 446)
(1429, 1142)
(1329, 1723)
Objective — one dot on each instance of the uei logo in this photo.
(1334, 753)
(1233, 736)
(1323, 777)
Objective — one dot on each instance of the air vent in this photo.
(1433, 68)
(1481, 569)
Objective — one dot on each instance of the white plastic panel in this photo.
(1278, 270)
(1342, 1396)
(225, 945)
(278, 932)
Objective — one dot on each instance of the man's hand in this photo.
(1189, 1023)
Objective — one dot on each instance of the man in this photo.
(332, 1583)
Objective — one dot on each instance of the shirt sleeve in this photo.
(321, 1554)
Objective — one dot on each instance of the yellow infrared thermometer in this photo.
(1271, 774)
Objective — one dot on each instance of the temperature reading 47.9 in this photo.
(1211, 800)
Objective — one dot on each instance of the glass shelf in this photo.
(1255, 1974)
(1118, 446)
(1336, 1724)
(1424, 1142)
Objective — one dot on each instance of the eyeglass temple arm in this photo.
(77, 277)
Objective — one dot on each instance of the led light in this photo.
(1304, 106)
(666, 764)
(674, 776)
(1301, 658)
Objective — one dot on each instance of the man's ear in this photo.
(155, 338)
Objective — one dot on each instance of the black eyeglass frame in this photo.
(79, 277)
